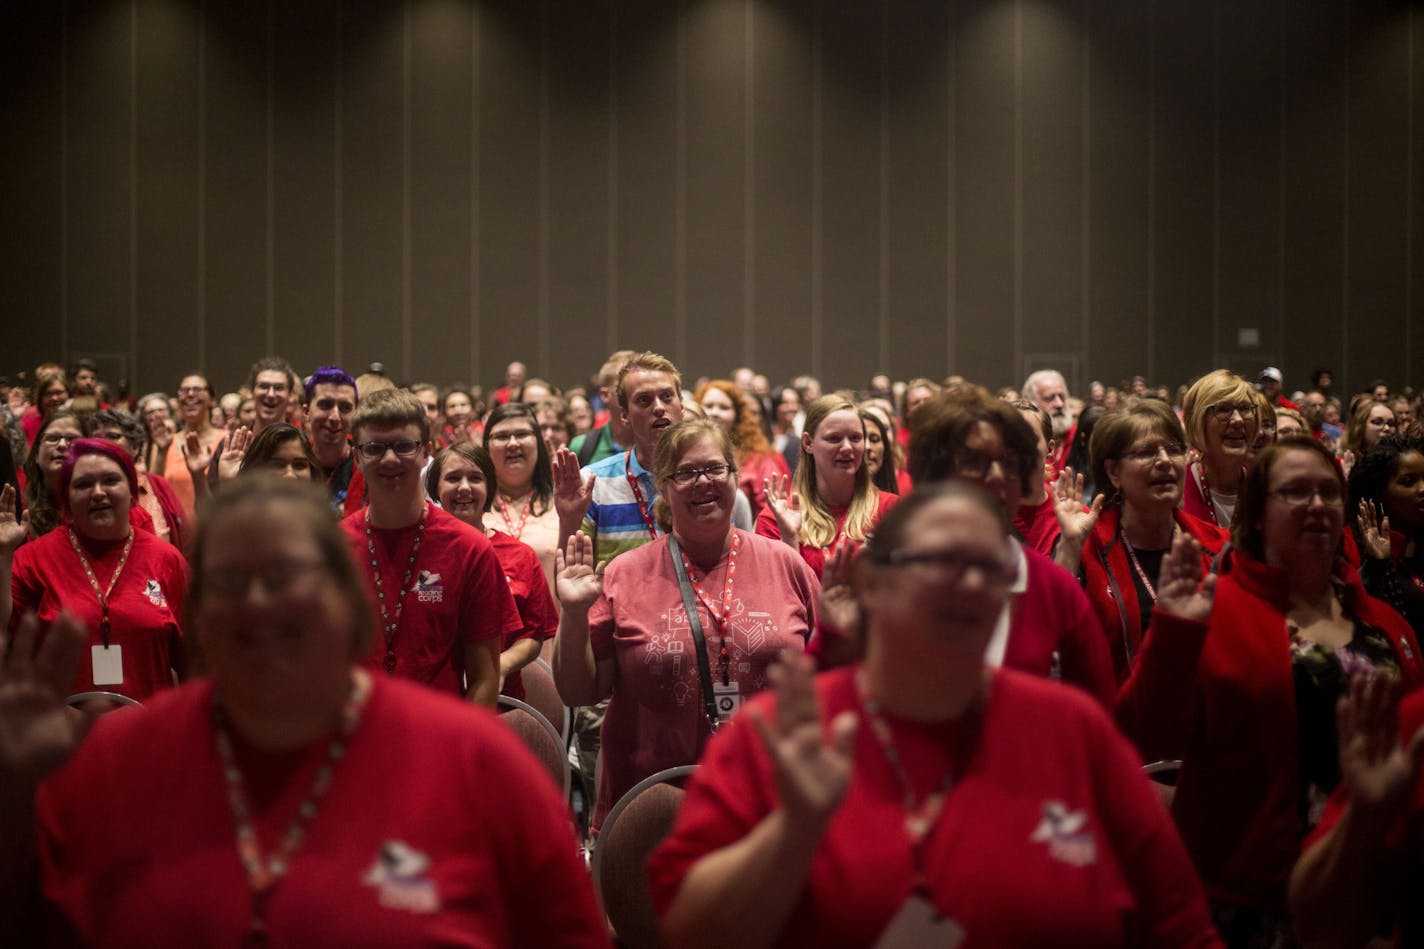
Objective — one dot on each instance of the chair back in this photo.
(540, 692)
(1163, 775)
(540, 737)
(100, 703)
(633, 828)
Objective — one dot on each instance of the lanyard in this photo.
(638, 495)
(390, 624)
(1132, 556)
(920, 816)
(103, 595)
(503, 505)
(721, 621)
(694, 623)
(263, 875)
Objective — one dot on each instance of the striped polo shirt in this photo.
(613, 519)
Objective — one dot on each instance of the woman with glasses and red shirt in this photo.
(1220, 417)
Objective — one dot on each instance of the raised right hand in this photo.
(38, 731)
(1379, 772)
(196, 455)
(572, 494)
(1181, 589)
(1374, 531)
(230, 461)
(576, 580)
(812, 771)
(12, 530)
(786, 506)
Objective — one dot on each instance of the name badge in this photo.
(108, 663)
(728, 698)
(919, 925)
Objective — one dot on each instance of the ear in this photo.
(806, 442)
(1112, 467)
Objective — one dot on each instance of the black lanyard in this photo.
(689, 603)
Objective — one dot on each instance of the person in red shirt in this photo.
(123, 584)
(434, 583)
(832, 502)
(923, 797)
(1269, 385)
(627, 634)
(155, 495)
(1036, 519)
(293, 798)
(462, 479)
(1048, 627)
(514, 376)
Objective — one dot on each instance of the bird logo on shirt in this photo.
(400, 873)
(154, 592)
(428, 589)
(1066, 835)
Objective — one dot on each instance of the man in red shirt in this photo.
(438, 595)
(328, 399)
(1270, 386)
(514, 376)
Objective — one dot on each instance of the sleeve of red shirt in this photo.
(25, 586)
(766, 524)
(1157, 705)
(488, 610)
(600, 627)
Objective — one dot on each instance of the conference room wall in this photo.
(978, 186)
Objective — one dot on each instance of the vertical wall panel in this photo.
(1117, 342)
(303, 165)
(985, 193)
(166, 193)
(851, 170)
(782, 132)
(440, 181)
(32, 165)
(918, 235)
(714, 123)
(98, 179)
(578, 220)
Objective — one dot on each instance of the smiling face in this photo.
(1229, 436)
(1378, 424)
(195, 400)
(52, 396)
(271, 391)
(1404, 494)
(458, 409)
(702, 509)
(654, 406)
(513, 447)
(463, 490)
(329, 415)
(54, 445)
(99, 498)
(719, 408)
(396, 477)
(1301, 533)
(837, 446)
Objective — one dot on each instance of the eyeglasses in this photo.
(1299, 495)
(976, 464)
(403, 447)
(1148, 453)
(56, 438)
(1381, 422)
(952, 565)
(1224, 410)
(716, 472)
(275, 578)
(516, 435)
(192, 390)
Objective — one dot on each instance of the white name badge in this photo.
(108, 664)
(918, 925)
(728, 698)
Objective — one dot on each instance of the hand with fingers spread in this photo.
(1075, 522)
(1374, 530)
(196, 455)
(1378, 770)
(1347, 462)
(12, 530)
(230, 461)
(578, 582)
(1181, 589)
(837, 606)
(812, 769)
(786, 505)
(572, 495)
(38, 731)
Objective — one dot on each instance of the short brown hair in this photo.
(1246, 532)
(1119, 428)
(671, 445)
(390, 407)
(941, 425)
(646, 362)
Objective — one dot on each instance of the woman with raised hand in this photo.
(1219, 414)
(1387, 511)
(678, 632)
(122, 584)
(462, 479)
(290, 811)
(921, 797)
(725, 404)
(831, 503)
(1273, 649)
(522, 496)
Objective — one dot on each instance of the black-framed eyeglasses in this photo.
(952, 565)
(403, 447)
(976, 464)
(1148, 453)
(715, 473)
(1299, 495)
(1224, 410)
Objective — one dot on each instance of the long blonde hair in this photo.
(818, 526)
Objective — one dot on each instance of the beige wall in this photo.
(973, 186)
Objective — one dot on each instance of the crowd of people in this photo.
(957, 666)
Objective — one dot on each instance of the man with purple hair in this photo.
(328, 399)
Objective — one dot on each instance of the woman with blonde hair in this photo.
(725, 404)
(831, 504)
(1221, 420)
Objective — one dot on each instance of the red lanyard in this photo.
(390, 624)
(724, 619)
(638, 495)
(1132, 556)
(262, 875)
(920, 817)
(103, 595)
(503, 505)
